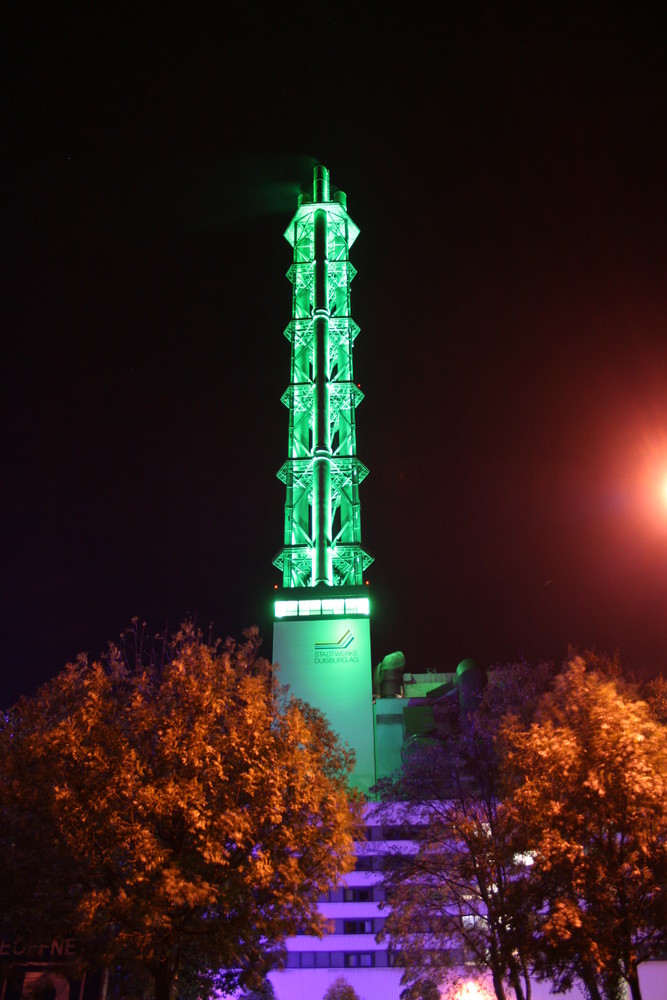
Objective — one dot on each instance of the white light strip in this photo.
(328, 606)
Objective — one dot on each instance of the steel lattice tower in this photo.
(321, 629)
(322, 540)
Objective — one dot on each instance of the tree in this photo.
(587, 790)
(340, 989)
(187, 811)
(455, 897)
(428, 991)
(654, 693)
(423, 989)
(459, 895)
(264, 991)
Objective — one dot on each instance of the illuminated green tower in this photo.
(322, 541)
(322, 630)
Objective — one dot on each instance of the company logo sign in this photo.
(340, 650)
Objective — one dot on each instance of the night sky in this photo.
(506, 166)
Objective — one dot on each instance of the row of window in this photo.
(358, 894)
(362, 959)
(326, 606)
(380, 862)
(339, 960)
(364, 925)
(372, 925)
(402, 832)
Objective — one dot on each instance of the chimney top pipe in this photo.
(320, 183)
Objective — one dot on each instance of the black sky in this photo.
(507, 170)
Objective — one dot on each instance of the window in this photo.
(357, 606)
(357, 927)
(365, 863)
(393, 862)
(357, 960)
(338, 959)
(358, 895)
(373, 893)
(307, 608)
(404, 832)
(286, 609)
(333, 606)
(400, 832)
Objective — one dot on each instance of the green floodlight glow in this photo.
(322, 539)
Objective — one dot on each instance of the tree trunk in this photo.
(633, 982)
(165, 978)
(515, 980)
(591, 986)
(527, 984)
(498, 985)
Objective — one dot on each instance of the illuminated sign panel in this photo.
(327, 662)
(46, 969)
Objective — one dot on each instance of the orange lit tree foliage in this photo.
(587, 793)
(173, 811)
(340, 989)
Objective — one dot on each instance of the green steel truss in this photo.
(322, 543)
